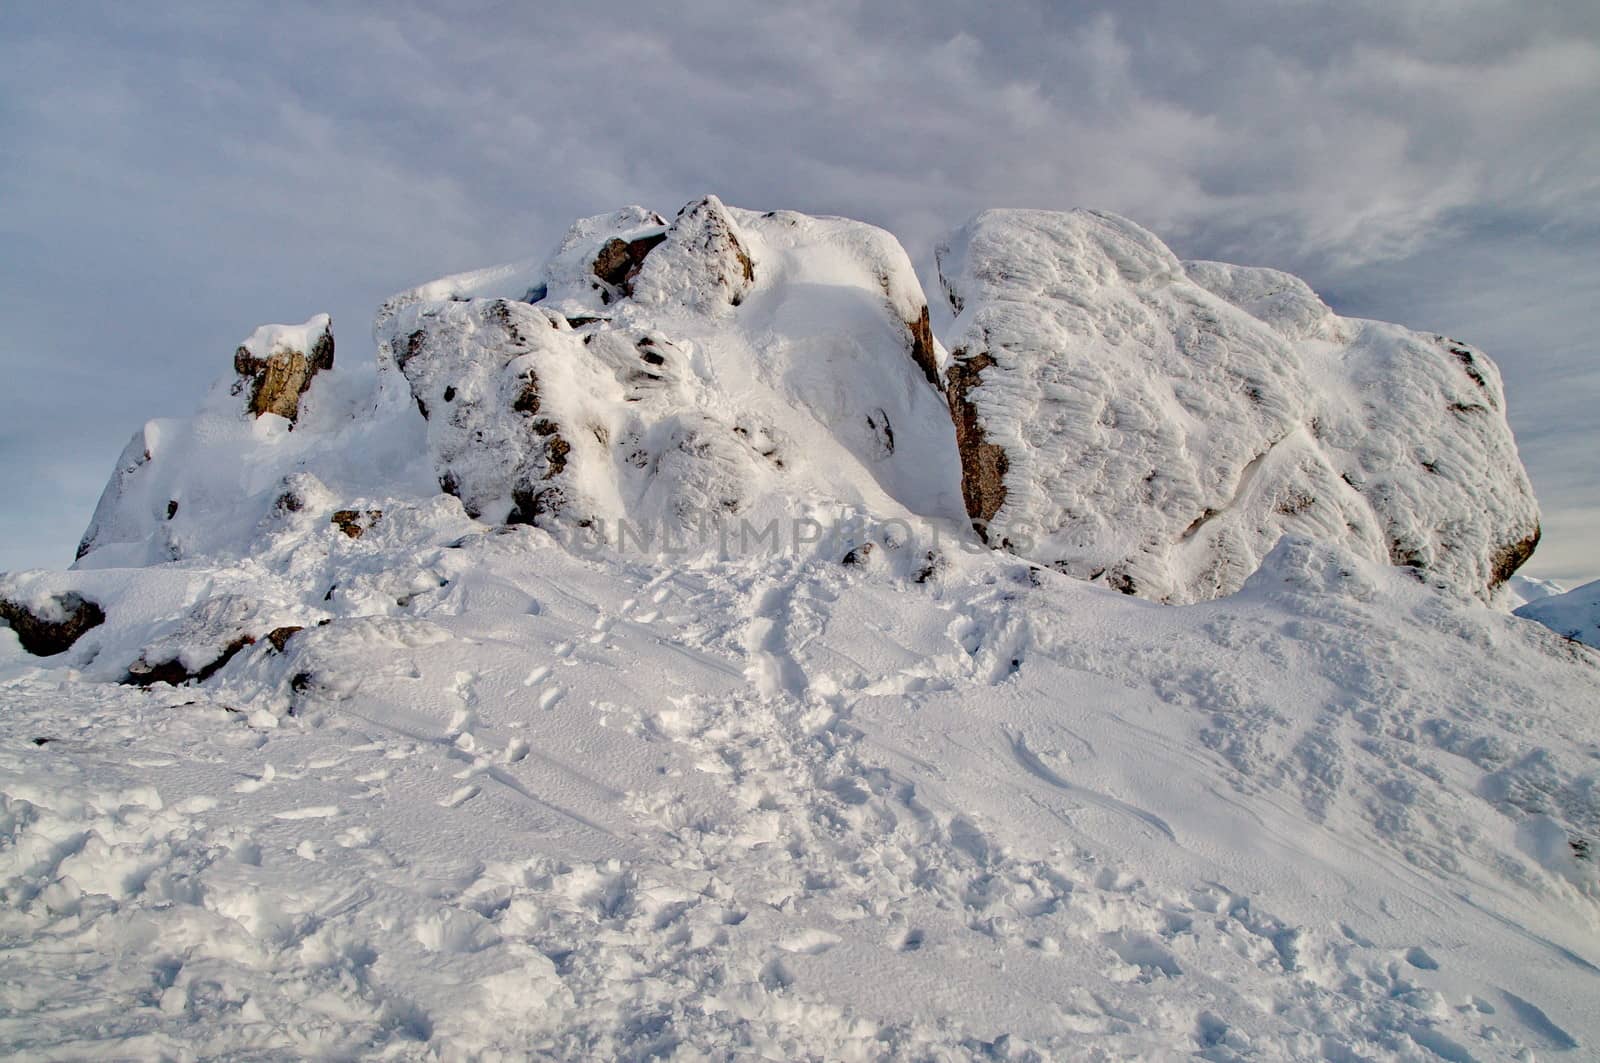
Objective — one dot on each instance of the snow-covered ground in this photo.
(448, 788)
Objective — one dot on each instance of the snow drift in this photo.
(1158, 425)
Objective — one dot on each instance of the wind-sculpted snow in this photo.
(1158, 425)
(1575, 614)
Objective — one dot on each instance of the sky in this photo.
(173, 175)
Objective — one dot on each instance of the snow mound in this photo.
(1575, 614)
(728, 366)
(1158, 425)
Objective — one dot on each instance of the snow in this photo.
(1574, 614)
(268, 340)
(1164, 423)
(505, 794)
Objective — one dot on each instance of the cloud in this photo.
(175, 175)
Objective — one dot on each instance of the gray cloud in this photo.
(174, 177)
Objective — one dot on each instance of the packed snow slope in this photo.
(1575, 614)
(374, 723)
(1157, 425)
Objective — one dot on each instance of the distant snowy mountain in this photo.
(610, 668)
(1575, 614)
(1520, 590)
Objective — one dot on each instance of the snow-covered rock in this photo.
(1575, 614)
(48, 624)
(1158, 425)
(276, 365)
(730, 366)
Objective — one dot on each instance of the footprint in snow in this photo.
(250, 786)
(310, 812)
(550, 697)
(460, 797)
(809, 942)
(538, 675)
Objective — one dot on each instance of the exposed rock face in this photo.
(665, 374)
(1159, 425)
(353, 522)
(983, 464)
(51, 626)
(619, 260)
(924, 349)
(277, 363)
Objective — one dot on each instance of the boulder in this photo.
(1158, 425)
(52, 624)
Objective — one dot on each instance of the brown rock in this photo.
(144, 673)
(61, 624)
(619, 260)
(278, 378)
(279, 636)
(1511, 556)
(983, 464)
(353, 522)
(922, 349)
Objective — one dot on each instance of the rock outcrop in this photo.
(276, 364)
(183, 486)
(673, 375)
(1158, 425)
(52, 624)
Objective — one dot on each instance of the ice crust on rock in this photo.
(1157, 425)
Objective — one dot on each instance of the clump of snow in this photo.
(1162, 424)
(1574, 614)
(268, 340)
